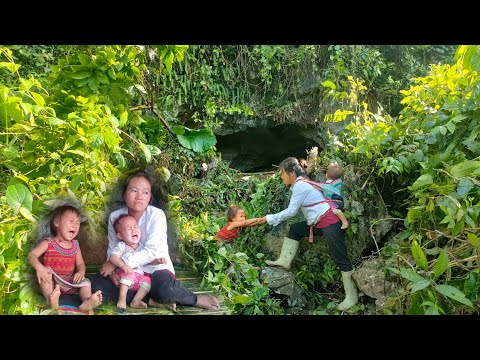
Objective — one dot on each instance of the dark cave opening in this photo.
(261, 149)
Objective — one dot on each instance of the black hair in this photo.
(117, 221)
(232, 211)
(58, 213)
(291, 164)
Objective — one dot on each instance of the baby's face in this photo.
(129, 231)
(239, 216)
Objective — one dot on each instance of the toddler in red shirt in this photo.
(235, 222)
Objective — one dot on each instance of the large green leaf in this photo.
(419, 256)
(442, 264)
(18, 195)
(422, 181)
(464, 168)
(453, 293)
(468, 57)
(197, 140)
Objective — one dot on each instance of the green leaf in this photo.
(470, 284)
(464, 186)
(79, 152)
(146, 152)
(442, 264)
(141, 88)
(18, 195)
(54, 121)
(27, 293)
(420, 285)
(464, 168)
(27, 214)
(422, 181)
(76, 181)
(241, 299)
(222, 251)
(10, 66)
(410, 275)
(111, 73)
(14, 111)
(178, 130)
(197, 140)
(419, 256)
(71, 140)
(453, 293)
(329, 84)
(431, 310)
(473, 239)
(120, 160)
(123, 118)
(458, 228)
(114, 121)
(153, 150)
(80, 75)
(96, 140)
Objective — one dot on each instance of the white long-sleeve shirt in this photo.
(303, 194)
(153, 225)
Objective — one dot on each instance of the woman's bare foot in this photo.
(122, 304)
(207, 302)
(344, 225)
(153, 303)
(92, 302)
(138, 304)
(54, 296)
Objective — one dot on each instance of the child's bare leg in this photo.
(342, 217)
(153, 303)
(137, 299)
(89, 300)
(47, 290)
(137, 302)
(122, 296)
(54, 297)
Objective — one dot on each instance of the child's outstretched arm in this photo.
(242, 223)
(43, 274)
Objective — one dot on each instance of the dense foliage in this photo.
(73, 119)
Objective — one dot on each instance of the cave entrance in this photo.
(260, 149)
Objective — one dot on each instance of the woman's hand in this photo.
(262, 220)
(115, 278)
(107, 268)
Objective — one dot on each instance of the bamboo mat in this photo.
(190, 279)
